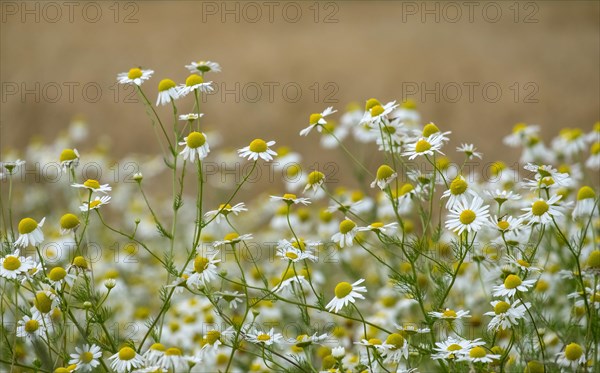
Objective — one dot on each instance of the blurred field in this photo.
(374, 49)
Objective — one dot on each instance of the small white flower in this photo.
(385, 175)
(135, 76)
(173, 359)
(203, 67)
(13, 265)
(86, 358)
(338, 352)
(69, 158)
(346, 293)
(258, 148)
(224, 210)
(126, 359)
(346, 234)
(95, 203)
(193, 83)
(31, 327)
(424, 146)
(375, 112)
(30, 233)
(167, 92)
(196, 147)
(510, 286)
(450, 314)
(204, 270)
(506, 315)
(266, 338)
(317, 120)
(292, 198)
(314, 181)
(502, 196)
(459, 191)
(293, 252)
(572, 357)
(453, 348)
(478, 354)
(585, 205)
(190, 117)
(467, 217)
(542, 211)
(94, 186)
(232, 238)
(469, 150)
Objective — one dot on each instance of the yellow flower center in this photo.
(503, 225)
(158, 347)
(86, 357)
(92, 184)
(134, 73)
(523, 263)
(372, 102)
(263, 337)
(346, 226)
(519, 127)
(31, 326)
(377, 110)
(80, 262)
(595, 149)
(212, 336)
(27, 225)
(299, 245)
(375, 341)
(67, 155)
(315, 177)
(193, 79)
(585, 193)
(467, 217)
(57, 274)
(200, 264)
(173, 351)
(409, 104)
(69, 221)
(165, 85)
(573, 351)
(126, 353)
(406, 188)
(430, 129)
(547, 181)
(11, 263)
(422, 146)
(258, 146)
(395, 340)
(501, 307)
(342, 289)
(195, 140)
(539, 208)
(458, 186)
(95, 203)
(384, 172)
(449, 313)
(593, 260)
(512, 281)
(535, 367)
(291, 255)
(314, 118)
(289, 196)
(377, 225)
(454, 347)
(231, 236)
(42, 302)
(477, 352)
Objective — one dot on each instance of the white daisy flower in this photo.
(469, 150)
(174, 360)
(30, 233)
(453, 347)
(287, 251)
(521, 264)
(593, 162)
(196, 147)
(395, 348)
(304, 340)
(31, 327)
(450, 314)
(478, 354)
(95, 203)
(232, 297)
(13, 265)
(338, 352)
(135, 76)
(385, 175)
(505, 224)
(192, 83)
(510, 286)
(190, 117)
(375, 112)
(258, 148)
(548, 175)
(45, 302)
(572, 357)
(68, 158)
(458, 192)
(379, 227)
(265, 338)
(423, 146)
(586, 201)
(212, 341)
(203, 67)
(12, 166)
(506, 315)
(465, 217)
(69, 223)
(317, 120)
(345, 236)
(431, 129)
(346, 293)
(287, 285)
(94, 186)
(205, 270)
(167, 92)
(154, 353)
(502, 196)
(521, 134)
(126, 359)
(86, 358)
(232, 238)
(314, 181)
(224, 210)
(542, 211)
(59, 276)
(390, 136)
(292, 199)
(570, 142)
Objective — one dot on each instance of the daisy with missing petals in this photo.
(502, 196)
(94, 186)
(192, 83)
(423, 146)
(465, 217)
(395, 348)
(585, 203)
(265, 338)
(134, 76)
(478, 354)
(572, 357)
(510, 286)
(203, 67)
(287, 251)
(450, 314)
(30, 233)
(291, 199)
(31, 327)
(506, 314)
(95, 203)
(126, 359)
(167, 92)
(505, 224)
(258, 148)
(379, 227)
(205, 269)
(69, 223)
(375, 112)
(317, 120)
(14, 265)
(196, 146)
(469, 150)
(69, 158)
(232, 238)
(458, 192)
(451, 348)
(346, 234)
(346, 293)
(314, 181)
(542, 211)
(225, 210)
(385, 175)
(86, 358)
(190, 117)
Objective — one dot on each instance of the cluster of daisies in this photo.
(424, 267)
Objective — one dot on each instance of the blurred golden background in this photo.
(535, 62)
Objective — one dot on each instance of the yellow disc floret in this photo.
(27, 225)
(195, 140)
(258, 146)
(342, 289)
